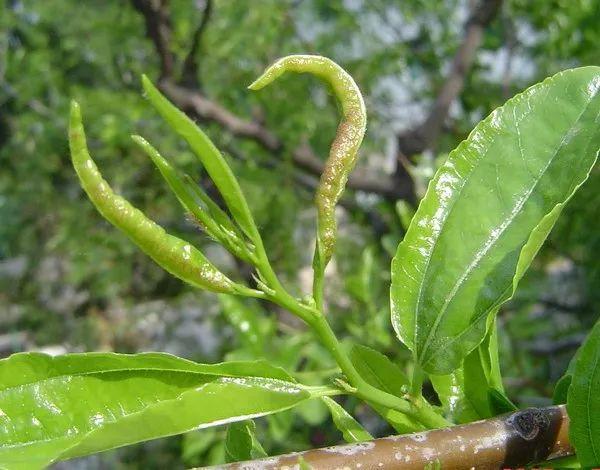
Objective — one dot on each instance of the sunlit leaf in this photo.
(487, 212)
(55, 408)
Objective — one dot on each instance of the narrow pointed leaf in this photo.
(487, 212)
(178, 187)
(218, 214)
(55, 408)
(348, 426)
(189, 200)
(209, 155)
(583, 401)
(378, 370)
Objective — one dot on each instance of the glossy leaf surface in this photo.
(348, 426)
(487, 212)
(56, 408)
(583, 401)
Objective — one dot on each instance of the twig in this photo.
(513, 440)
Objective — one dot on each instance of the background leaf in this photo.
(583, 401)
(56, 408)
(241, 442)
(349, 427)
(486, 213)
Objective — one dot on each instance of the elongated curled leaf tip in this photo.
(344, 149)
(269, 75)
(172, 253)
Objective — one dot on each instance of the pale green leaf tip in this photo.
(75, 111)
(270, 74)
(138, 139)
(147, 83)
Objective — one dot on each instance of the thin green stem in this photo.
(318, 287)
(420, 411)
(416, 384)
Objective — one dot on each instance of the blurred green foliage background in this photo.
(429, 70)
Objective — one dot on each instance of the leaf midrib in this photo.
(480, 254)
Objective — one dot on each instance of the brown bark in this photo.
(512, 440)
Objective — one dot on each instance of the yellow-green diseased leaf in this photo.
(377, 370)
(348, 426)
(241, 442)
(56, 408)
(451, 391)
(344, 149)
(173, 254)
(583, 401)
(486, 213)
(210, 157)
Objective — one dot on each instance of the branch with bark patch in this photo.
(514, 440)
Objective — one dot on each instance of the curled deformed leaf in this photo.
(344, 149)
(487, 212)
(172, 253)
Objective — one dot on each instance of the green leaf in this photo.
(451, 391)
(476, 383)
(349, 427)
(583, 401)
(241, 442)
(487, 212)
(212, 160)
(377, 370)
(182, 190)
(561, 388)
(55, 408)
(500, 403)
